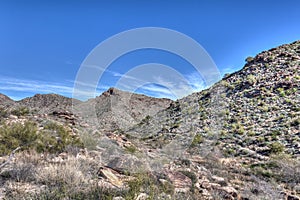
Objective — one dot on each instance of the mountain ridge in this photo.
(238, 139)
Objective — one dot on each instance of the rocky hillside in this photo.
(249, 109)
(239, 139)
(5, 100)
(250, 116)
(116, 109)
(47, 103)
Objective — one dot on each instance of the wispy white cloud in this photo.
(33, 86)
(162, 86)
(14, 85)
(196, 81)
(157, 91)
(165, 86)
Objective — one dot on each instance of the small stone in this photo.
(118, 198)
(218, 179)
(142, 196)
(110, 176)
(13, 117)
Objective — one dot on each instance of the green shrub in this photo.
(276, 147)
(146, 120)
(249, 59)
(238, 128)
(136, 185)
(55, 138)
(147, 183)
(17, 135)
(251, 79)
(21, 111)
(281, 92)
(131, 149)
(3, 113)
(197, 140)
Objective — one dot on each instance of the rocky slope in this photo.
(47, 103)
(116, 109)
(250, 116)
(5, 100)
(239, 139)
(249, 109)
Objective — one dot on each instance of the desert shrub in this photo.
(276, 148)
(55, 138)
(20, 111)
(17, 135)
(146, 120)
(149, 184)
(89, 141)
(281, 92)
(286, 169)
(3, 113)
(249, 59)
(93, 192)
(131, 149)
(238, 128)
(21, 171)
(197, 140)
(262, 171)
(138, 183)
(72, 179)
(72, 174)
(251, 79)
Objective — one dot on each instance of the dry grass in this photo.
(31, 173)
(73, 173)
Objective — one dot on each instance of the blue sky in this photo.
(43, 43)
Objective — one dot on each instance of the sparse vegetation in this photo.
(53, 138)
(246, 143)
(17, 135)
(197, 140)
(21, 111)
(251, 79)
(131, 149)
(249, 59)
(276, 147)
(281, 92)
(3, 113)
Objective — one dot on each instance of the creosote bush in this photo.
(197, 140)
(149, 184)
(3, 113)
(17, 135)
(249, 59)
(276, 147)
(21, 111)
(54, 138)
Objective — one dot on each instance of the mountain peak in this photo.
(112, 91)
(5, 100)
(47, 103)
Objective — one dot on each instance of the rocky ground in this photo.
(239, 139)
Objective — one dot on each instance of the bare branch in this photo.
(10, 157)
